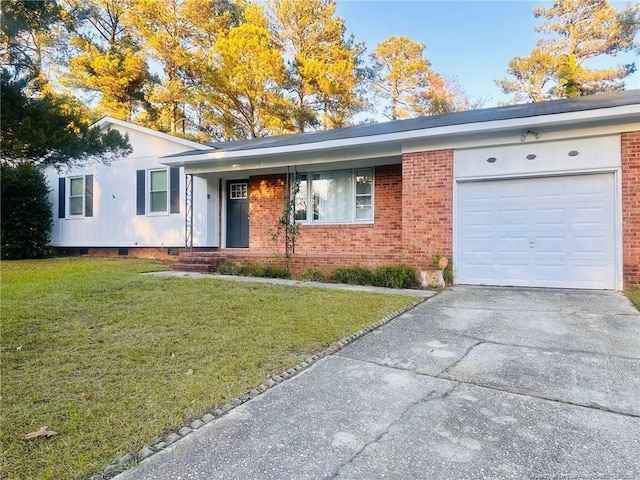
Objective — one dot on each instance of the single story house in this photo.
(542, 195)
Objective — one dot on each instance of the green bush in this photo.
(395, 276)
(26, 223)
(227, 267)
(355, 275)
(249, 269)
(313, 274)
(274, 271)
(252, 269)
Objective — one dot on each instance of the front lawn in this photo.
(634, 296)
(110, 359)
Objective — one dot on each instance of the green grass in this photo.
(99, 353)
(634, 296)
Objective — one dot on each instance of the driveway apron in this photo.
(474, 383)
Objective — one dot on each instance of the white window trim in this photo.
(353, 220)
(148, 193)
(68, 213)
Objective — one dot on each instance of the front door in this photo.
(238, 214)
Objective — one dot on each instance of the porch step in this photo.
(198, 258)
(192, 267)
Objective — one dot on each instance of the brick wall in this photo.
(157, 253)
(366, 244)
(427, 206)
(266, 199)
(631, 208)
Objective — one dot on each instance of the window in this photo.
(238, 191)
(300, 206)
(158, 191)
(76, 196)
(340, 196)
(364, 198)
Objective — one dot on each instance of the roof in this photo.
(107, 120)
(552, 107)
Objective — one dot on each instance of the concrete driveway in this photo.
(474, 383)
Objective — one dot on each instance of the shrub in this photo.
(313, 274)
(356, 275)
(395, 276)
(248, 269)
(227, 267)
(251, 269)
(274, 271)
(26, 212)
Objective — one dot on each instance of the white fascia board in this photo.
(626, 112)
(374, 154)
(106, 121)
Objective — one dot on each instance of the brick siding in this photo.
(427, 206)
(631, 207)
(366, 244)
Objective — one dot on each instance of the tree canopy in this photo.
(575, 31)
(403, 76)
(38, 125)
(234, 69)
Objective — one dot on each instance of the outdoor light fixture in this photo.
(524, 136)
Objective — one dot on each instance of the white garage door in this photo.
(537, 232)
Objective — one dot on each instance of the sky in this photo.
(471, 41)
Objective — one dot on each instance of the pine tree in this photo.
(178, 34)
(108, 60)
(575, 32)
(244, 83)
(323, 65)
(404, 78)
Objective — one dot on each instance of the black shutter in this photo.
(174, 190)
(140, 194)
(88, 196)
(61, 197)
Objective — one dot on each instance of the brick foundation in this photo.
(631, 208)
(157, 253)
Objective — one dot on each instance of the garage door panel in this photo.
(553, 231)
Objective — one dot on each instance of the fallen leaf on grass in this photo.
(42, 432)
(189, 372)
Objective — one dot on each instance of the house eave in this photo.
(385, 145)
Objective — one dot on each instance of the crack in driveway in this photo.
(425, 399)
(514, 391)
(457, 362)
(517, 345)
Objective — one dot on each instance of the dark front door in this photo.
(238, 214)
